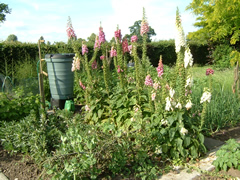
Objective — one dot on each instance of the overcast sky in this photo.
(31, 19)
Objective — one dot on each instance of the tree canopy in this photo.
(4, 9)
(12, 37)
(217, 20)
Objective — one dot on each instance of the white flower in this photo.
(206, 96)
(156, 85)
(153, 96)
(168, 104)
(158, 150)
(179, 38)
(188, 59)
(189, 81)
(189, 104)
(179, 106)
(171, 92)
(183, 131)
(164, 122)
(87, 108)
(132, 119)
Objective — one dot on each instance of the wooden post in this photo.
(40, 76)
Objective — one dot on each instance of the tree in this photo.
(4, 9)
(135, 30)
(217, 20)
(92, 38)
(12, 37)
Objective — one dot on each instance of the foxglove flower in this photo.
(148, 81)
(144, 28)
(189, 104)
(156, 85)
(130, 49)
(113, 52)
(118, 35)
(84, 49)
(101, 36)
(125, 45)
(164, 122)
(76, 64)
(81, 84)
(183, 131)
(134, 38)
(188, 59)
(189, 81)
(171, 92)
(168, 106)
(160, 68)
(206, 96)
(209, 71)
(102, 57)
(153, 96)
(119, 69)
(97, 43)
(179, 106)
(70, 31)
(179, 36)
(94, 65)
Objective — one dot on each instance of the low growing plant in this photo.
(228, 156)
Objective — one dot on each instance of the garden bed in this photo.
(22, 167)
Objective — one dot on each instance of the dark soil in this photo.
(21, 167)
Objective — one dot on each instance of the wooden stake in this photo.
(41, 87)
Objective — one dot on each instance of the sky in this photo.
(31, 19)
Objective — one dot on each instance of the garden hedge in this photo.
(12, 53)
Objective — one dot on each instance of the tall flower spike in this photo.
(125, 46)
(118, 35)
(101, 36)
(97, 43)
(144, 25)
(113, 52)
(148, 81)
(70, 31)
(84, 49)
(160, 67)
(134, 38)
(179, 36)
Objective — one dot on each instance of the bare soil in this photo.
(19, 167)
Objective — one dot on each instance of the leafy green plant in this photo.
(228, 156)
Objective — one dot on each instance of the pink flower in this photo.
(134, 38)
(148, 81)
(113, 52)
(81, 84)
(118, 35)
(84, 49)
(102, 57)
(101, 36)
(144, 28)
(94, 65)
(125, 45)
(119, 69)
(130, 49)
(97, 44)
(160, 68)
(70, 31)
(209, 71)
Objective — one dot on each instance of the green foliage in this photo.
(11, 38)
(228, 156)
(17, 106)
(4, 9)
(214, 23)
(222, 55)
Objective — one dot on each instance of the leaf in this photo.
(201, 138)
(164, 148)
(100, 112)
(187, 141)
(172, 132)
(225, 167)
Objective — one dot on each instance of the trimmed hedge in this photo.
(12, 53)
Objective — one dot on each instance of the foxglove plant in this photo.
(70, 31)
